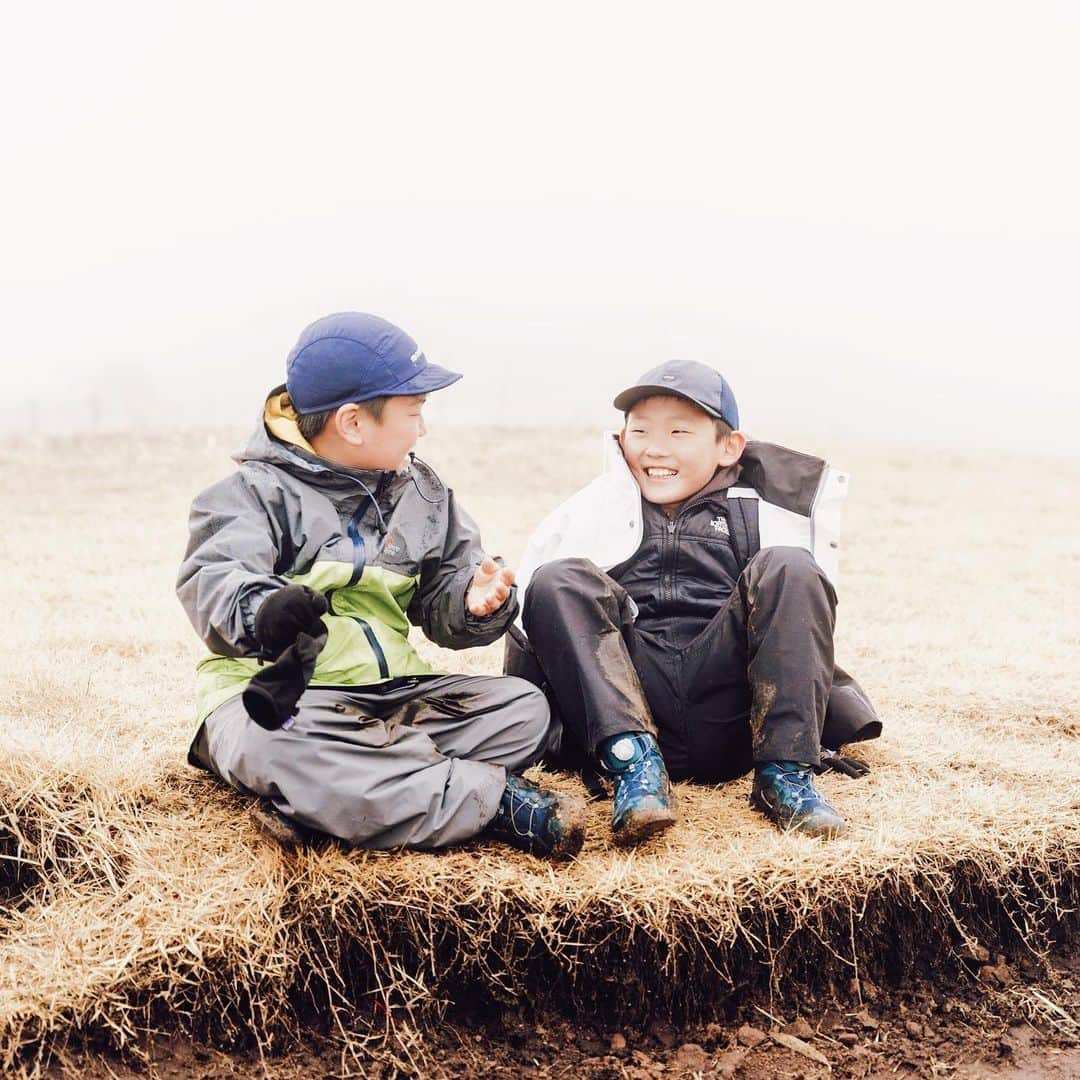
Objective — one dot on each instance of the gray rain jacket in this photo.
(386, 548)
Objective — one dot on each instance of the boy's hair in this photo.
(723, 428)
(311, 424)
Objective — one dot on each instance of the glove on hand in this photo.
(271, 696)
(849, 766)
(284, 614)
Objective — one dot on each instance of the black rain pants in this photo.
(757, 684)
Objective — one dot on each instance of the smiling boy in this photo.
(679, 613)
(674, 448)
(317, 554)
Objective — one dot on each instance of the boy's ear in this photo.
(346, 422)
(731, 448)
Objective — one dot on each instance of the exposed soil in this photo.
(1018, 1021)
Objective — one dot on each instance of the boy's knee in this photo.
(514, 702)
(788, 571)
(561, 574)
(514, 724)
(564, 585)
(531, 707)
(797, 557)
(785, 563)
(531, 713)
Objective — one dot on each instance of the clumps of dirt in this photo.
(926, 1029)
(1023, 1012)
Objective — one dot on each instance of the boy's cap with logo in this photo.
(699, 383)
(352, 356)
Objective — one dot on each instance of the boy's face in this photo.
(672, 449)
(385, 443)
(396, 431)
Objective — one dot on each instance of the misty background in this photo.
(866, 215)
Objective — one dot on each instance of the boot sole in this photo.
(642, 825)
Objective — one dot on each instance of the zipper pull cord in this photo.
(374, 501)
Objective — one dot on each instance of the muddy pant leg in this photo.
(346, 770)
(771, 649)
(690, 748)
(580, 628)
(480, 717)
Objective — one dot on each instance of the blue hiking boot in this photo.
(642, 789)
(784, 792)
(539, 821)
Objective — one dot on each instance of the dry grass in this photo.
(139, 898)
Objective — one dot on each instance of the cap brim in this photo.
(429, 378)
(632, 395)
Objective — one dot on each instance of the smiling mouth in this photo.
(655, 473)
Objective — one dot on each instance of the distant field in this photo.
(137, 896)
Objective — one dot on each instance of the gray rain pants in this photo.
(418, 762)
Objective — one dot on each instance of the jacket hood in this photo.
(788, 478)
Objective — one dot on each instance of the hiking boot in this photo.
(784, 792)
(642, 789)
(539, 821)
(275, 826)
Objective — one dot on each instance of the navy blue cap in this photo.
(351, 356)
(706, 388)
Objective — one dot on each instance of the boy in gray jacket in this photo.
(316, 555)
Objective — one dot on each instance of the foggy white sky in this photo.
(865, 214)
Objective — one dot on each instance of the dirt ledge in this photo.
(1010, 1020)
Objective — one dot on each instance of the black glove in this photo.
(849, 766)
(284, 614)
(271, 696)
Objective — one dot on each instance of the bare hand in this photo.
(489, 589)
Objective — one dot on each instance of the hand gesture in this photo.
(489, 588)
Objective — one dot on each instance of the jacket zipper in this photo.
(369, 633)
(376, 648)
(667, 564)
(359, 562)
(359, 548)
(669, 553)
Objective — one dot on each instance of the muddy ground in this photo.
(1018, 1019)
